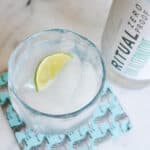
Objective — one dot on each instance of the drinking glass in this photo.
(22, 65)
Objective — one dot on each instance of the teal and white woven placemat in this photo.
(108, 121)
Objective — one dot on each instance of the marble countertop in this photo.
(17, 20)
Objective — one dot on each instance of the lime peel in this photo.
(48, 69)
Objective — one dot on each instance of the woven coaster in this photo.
(108, 121)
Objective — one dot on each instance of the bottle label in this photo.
(131, 57)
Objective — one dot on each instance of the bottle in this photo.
(126, 43)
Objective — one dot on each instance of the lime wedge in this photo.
(49, 68)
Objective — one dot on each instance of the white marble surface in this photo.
(18, 20)
(137, 105)
(88, 18)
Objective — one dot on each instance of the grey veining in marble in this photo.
(19, 18)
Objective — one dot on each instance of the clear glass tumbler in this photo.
(22, 66)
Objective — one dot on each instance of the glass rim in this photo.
(57, 116)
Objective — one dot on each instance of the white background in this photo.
(88, 18)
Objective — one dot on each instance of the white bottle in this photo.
(126, 42)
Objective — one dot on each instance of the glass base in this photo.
(124, 82)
